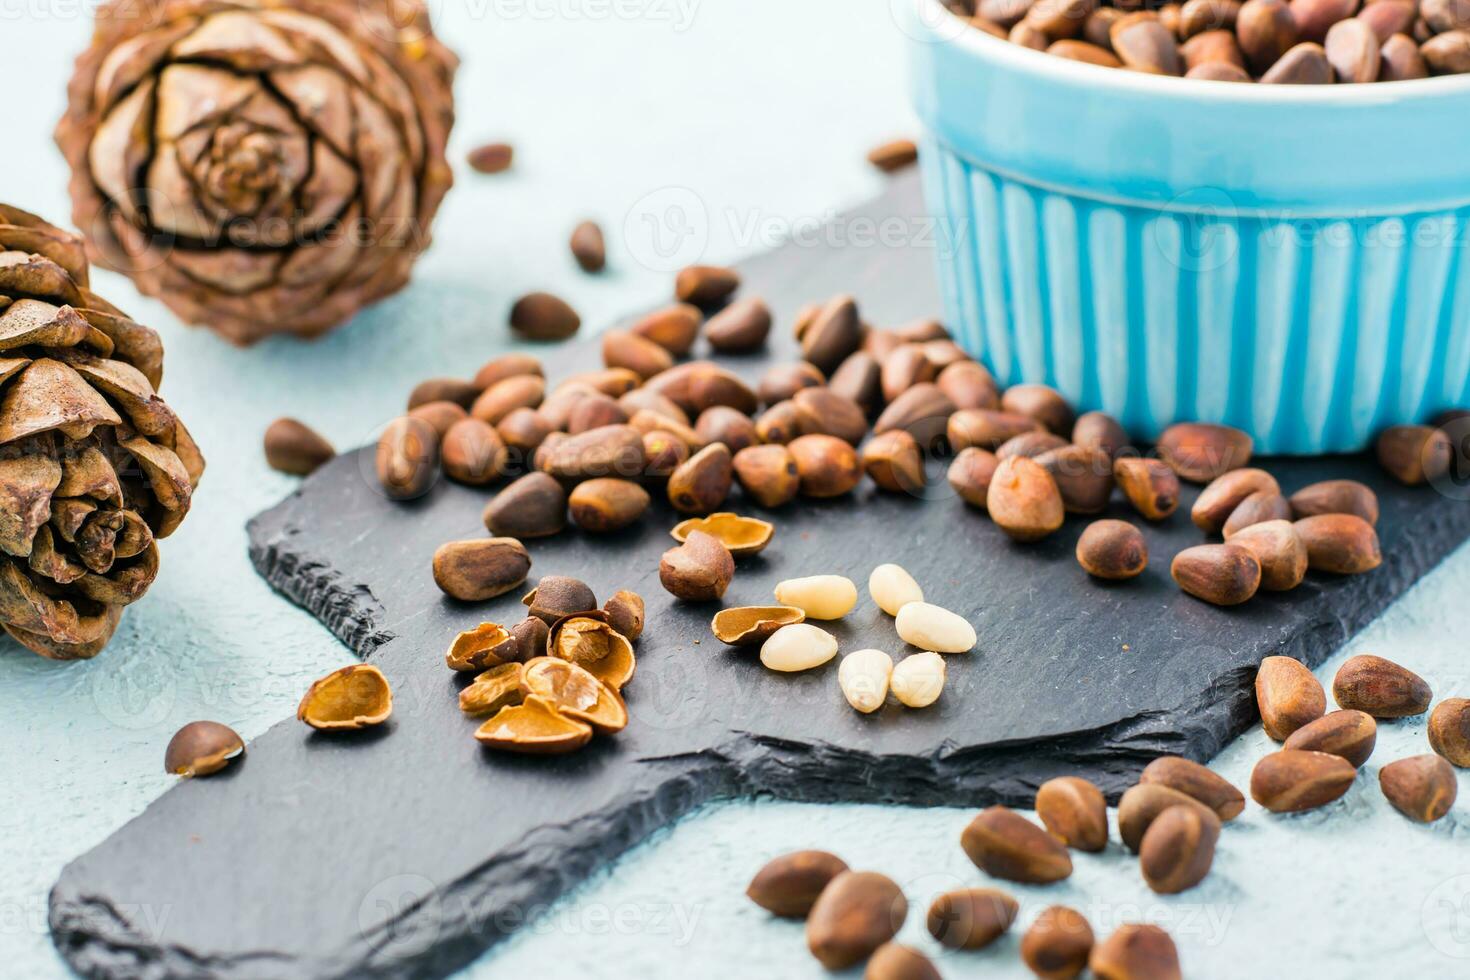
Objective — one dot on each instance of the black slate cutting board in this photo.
(406, 851)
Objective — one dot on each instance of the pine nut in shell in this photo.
(1075, 812)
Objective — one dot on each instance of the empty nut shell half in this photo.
(576, 693)
(357, 696)
(590, 642)
(499, 687)
(487, 645)
(201, 748)
(625, 613)
(742, 535)
(534, 727)
(741, 626)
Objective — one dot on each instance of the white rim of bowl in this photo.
(1030, 61)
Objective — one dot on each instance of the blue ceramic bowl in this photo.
(1290, 260)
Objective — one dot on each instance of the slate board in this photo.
(407, 851)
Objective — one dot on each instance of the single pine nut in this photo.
(863, 676)
(931, 628)
(800, 646)
(917, 680)
(819, 596)
(891, 588)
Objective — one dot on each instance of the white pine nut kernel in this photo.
(892, 588)
(819, 596)
(929, 627)
(863, 676)
(917, 680)
(800, 646)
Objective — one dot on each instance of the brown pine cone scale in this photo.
(94, 466)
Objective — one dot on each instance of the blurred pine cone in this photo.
(260, 167)
(94, 467)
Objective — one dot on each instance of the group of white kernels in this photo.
(867, 676)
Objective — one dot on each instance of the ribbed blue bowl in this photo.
(1290, 260)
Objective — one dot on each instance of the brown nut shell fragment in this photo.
(856, 913)
(1004, 844)
(1381, 688)
(575, 692)
(607, 504)
(1348, 733)
(1449, 731)
(533, 727)
(1279, 549)
(1288, 696)
(532, 506)
(702, 482)
(557, 596)
(1197, 781)
(1201, 452)
(699, 570)
(625, 613)
(971, 918)
(789, 885)
(768, 475)
(1024, 500)
(473, 571)
(531, 635)
(1342, 544)
(741, 626)
(477, 650)
(201, 748)
(1075, 812)
(1291, 780)
(826, 465)
(357, 696)
(1149, 484)
(1058, 943)
(499, 687)
(742, 535)
(1136, 952)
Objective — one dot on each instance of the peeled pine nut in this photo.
(800, 646)
(931, 628)
(863, 676)
(917, 680)
(891, 588)
(819, 596)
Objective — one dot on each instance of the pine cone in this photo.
(260, 167)
(94, 467)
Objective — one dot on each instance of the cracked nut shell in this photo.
(356, 696)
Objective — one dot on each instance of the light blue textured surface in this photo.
(761, 111)
(1167, 250)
